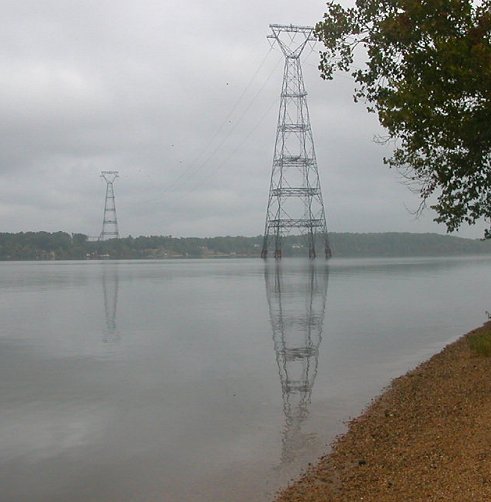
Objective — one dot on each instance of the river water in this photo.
(206, 380)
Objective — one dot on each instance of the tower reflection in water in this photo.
(110, 287)
(297, 301)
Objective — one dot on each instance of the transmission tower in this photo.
(295, 199)
(110, 221)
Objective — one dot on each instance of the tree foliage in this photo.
(428, 77)
(63, 246)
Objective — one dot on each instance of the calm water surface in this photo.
(205, 380)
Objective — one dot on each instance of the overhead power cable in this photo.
(193, 168)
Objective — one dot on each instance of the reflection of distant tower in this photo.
(110, 286)
(297, 302)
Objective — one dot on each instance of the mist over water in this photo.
(205, 380)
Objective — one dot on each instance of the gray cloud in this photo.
(181, 98)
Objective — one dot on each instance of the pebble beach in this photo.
(426, 438)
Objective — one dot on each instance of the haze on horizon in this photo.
(182, 100)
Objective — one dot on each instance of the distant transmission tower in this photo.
(295, 199)
(110, 221)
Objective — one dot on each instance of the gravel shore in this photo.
(426, 438)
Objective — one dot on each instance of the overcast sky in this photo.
(181, 97)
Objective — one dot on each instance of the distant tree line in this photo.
(64, 246)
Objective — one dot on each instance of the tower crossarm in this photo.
(290, 28)
(295, 192)
(301, 127)
(296, 223)
(293, 94)
(295, 41)
(109, 176)
(294, 161)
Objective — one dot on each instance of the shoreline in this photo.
(426, 437)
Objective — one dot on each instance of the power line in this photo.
(191, 171)
(217, 148)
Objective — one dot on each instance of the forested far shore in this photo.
(65, 246)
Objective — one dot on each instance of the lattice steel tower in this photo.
(110, 221)
(295, 200)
